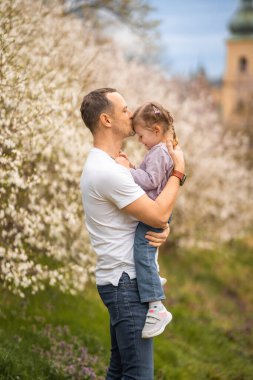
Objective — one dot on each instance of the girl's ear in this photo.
(157, 129)
(105, 120)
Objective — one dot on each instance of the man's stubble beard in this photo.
(119, 131)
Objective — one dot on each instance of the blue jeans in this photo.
(131, 356)
(148, 278)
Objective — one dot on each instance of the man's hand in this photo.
(156, 239)
(177, 156)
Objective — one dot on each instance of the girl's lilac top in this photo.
(154, 171)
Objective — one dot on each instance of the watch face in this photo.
(183, 180)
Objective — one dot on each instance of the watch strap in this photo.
(180, 176)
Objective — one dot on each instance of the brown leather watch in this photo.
(181, 176)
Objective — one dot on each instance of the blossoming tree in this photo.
(48, 62)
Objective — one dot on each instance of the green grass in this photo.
(210, 294)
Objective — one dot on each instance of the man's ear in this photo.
(105, 120)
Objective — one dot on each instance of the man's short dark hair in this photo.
(93, 105)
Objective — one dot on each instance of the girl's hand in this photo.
(124, 155)
(123, 161)
(156, 239)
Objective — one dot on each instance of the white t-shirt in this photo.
(106, 188)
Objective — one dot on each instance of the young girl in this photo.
(154, 125)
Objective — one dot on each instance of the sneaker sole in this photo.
(166, 321)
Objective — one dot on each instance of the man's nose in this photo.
(130, 113)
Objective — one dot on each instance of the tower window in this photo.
(243, 64)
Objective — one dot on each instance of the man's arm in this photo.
(156, 213)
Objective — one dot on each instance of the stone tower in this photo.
(237, 89)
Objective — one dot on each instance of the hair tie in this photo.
(156, 110)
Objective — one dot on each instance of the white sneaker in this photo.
(156, 320)
(163, 281)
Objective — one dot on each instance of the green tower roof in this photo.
(241, 24)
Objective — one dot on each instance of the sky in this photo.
(194, 34)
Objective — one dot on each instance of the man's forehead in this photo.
(116, 99)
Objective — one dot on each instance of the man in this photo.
(113, 205)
